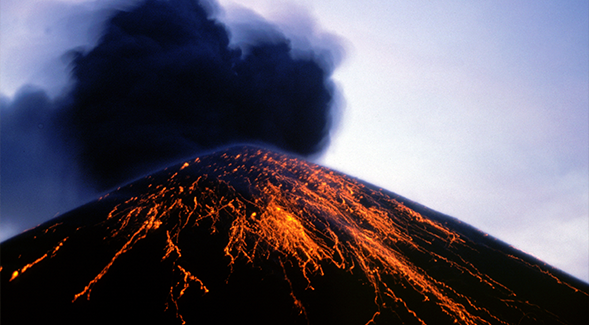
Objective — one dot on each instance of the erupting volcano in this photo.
(247, 235)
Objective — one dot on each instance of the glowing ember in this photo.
(305, 217)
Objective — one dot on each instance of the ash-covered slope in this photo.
(247, 235)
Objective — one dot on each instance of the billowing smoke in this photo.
(165, 82)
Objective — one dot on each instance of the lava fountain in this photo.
(250, 235)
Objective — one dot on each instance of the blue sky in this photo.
(477, 109)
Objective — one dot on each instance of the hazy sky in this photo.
(476, 109)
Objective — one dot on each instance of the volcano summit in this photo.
(247, 235)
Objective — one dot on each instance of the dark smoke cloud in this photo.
(37, 178)
(164, 82)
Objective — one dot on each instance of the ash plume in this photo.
(166, 81)
(163, 83)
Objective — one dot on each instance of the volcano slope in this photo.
(247, 235)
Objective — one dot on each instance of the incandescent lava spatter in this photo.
(247, 235)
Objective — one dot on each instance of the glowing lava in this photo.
(307, 221)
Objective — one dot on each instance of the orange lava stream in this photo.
(144, 228)
(186, 276)
(307, 214)
(548, 274)
(49, 254)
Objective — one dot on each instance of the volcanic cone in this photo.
(247, 235)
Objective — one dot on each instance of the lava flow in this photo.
(251, 235)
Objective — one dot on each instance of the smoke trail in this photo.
(165, 81)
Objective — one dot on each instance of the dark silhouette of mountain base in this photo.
(249, 236)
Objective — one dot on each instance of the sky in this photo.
(479, 110)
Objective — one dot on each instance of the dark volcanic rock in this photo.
(252, 236)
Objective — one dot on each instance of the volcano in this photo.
(247, 235)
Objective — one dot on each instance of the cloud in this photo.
(163, 84)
